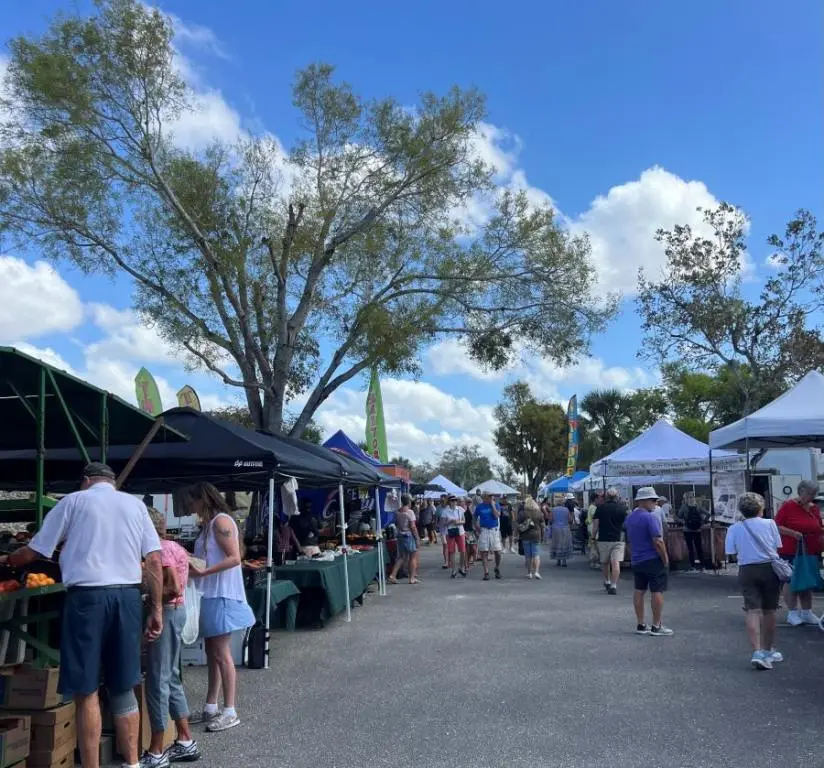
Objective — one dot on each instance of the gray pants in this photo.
(164, 688)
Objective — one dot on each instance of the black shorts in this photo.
(506, 527)
(102, 630)
(650, 575)
(760, 587)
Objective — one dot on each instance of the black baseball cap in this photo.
(98, 469)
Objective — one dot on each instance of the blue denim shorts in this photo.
(221, 616)
(532, 548)
(407, 544)
(102, 630)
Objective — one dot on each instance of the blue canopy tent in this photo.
(341, 443)
(564, 484)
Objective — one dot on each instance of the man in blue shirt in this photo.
(650, 562)
(489, 534)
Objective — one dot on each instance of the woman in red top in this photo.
(800, 519)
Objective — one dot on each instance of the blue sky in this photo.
(628, 115)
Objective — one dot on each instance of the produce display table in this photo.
(15, 621)
(322, 587)
(285, 594)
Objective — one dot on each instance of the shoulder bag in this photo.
(782, 569)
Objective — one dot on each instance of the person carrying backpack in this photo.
(693, 519)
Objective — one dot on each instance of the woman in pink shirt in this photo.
(164, 688)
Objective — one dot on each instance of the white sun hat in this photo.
(646, 493)
(569, 497)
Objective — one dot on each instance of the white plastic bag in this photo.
(191, 601)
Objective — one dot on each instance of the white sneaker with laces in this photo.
(223, 723)
(808, 617)
(794, 618)
(538, 576)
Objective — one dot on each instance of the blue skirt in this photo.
(221, 616)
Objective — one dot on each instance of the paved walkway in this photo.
(524, 673)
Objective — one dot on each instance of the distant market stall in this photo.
(563, 484)
(448, 486)
(495, 488)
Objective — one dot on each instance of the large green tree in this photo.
(702, 313)
(247, 259)
(464, 465)
(531, 435)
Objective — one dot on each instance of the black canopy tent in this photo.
(44, 409)
(220, 452)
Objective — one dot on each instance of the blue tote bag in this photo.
(806, 571)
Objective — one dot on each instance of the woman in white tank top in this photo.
(223, 607)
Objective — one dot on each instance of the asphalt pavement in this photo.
(514, 672)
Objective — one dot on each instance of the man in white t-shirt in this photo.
(105, 535)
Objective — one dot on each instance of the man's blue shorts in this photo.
(102, 630)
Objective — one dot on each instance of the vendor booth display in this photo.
(49, 409)
(665, 456)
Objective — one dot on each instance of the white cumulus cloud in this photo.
(35, 300)
(622, 223)
(421, 419)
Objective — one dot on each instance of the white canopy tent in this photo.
(495, 487)
(448, 486)
(793, 420)
(664, 451)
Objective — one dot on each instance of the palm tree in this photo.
(607, 412)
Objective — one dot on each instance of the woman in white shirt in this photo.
(223, 607)
(755, 542)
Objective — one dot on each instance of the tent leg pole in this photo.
(270, 534)
(712, 519)
(345, 555)
(379, 537)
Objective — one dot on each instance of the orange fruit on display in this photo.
(35, 580)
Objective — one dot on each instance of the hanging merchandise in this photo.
(289, 497)
(392, 502)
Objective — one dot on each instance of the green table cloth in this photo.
(284, 593)
(328, 577)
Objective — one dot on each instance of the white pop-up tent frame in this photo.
(448, 486)
(793, 420)
(494, 487)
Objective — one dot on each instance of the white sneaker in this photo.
(794, 618)
(529, 575)
(538, 576)
(808, 617)
(775, 657)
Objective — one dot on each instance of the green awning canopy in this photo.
(73, 410)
